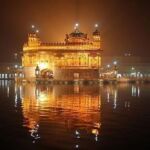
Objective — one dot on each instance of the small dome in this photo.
(76, 37)
(77, 33)
(96, 32)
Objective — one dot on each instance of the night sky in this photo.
(124, 24)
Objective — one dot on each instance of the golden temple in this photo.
(78, 57)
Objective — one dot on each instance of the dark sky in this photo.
(124, 24)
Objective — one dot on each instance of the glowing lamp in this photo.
(96, 25)
(33, 26)
(43, 65)
(115, 62)
(37, 31)
(108, 66)
(37, 71)
(95, 131)
(16, 66)
(76, 26)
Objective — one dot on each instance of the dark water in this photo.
(68, 117)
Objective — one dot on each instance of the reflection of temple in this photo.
(69, 107)
(77, 57)
(63, 100)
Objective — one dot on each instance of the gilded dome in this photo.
(76, 37)
(96, 32)
(77, 33)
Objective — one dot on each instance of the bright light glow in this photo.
(115, 99)
(108, 66)
(43, 65)
(115, 62)
(42, 97)
(77, 132)
(133, 68)
(95, 132)
(16, 66)
(37, 31)
(33, 26)
(77, 24)
(134, 91)
(96, 25)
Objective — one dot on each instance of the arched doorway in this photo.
(46, 73)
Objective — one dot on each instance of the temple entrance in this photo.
(46, 73)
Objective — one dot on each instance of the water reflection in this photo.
(76, 117)
(121, 93)
(112, 93)
(135, 91)
(5, 84)
(18, 94)
(74, 108)
(34, 133)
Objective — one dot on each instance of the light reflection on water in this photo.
(71, 115)
(72, 108)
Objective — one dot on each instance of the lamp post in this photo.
(115, 68)
(15, 65)
(115, 63)
(18, 69)
(96, 25)
(37, 71)
(108, 66)
(133, 72)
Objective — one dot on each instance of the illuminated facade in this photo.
(77, 57)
